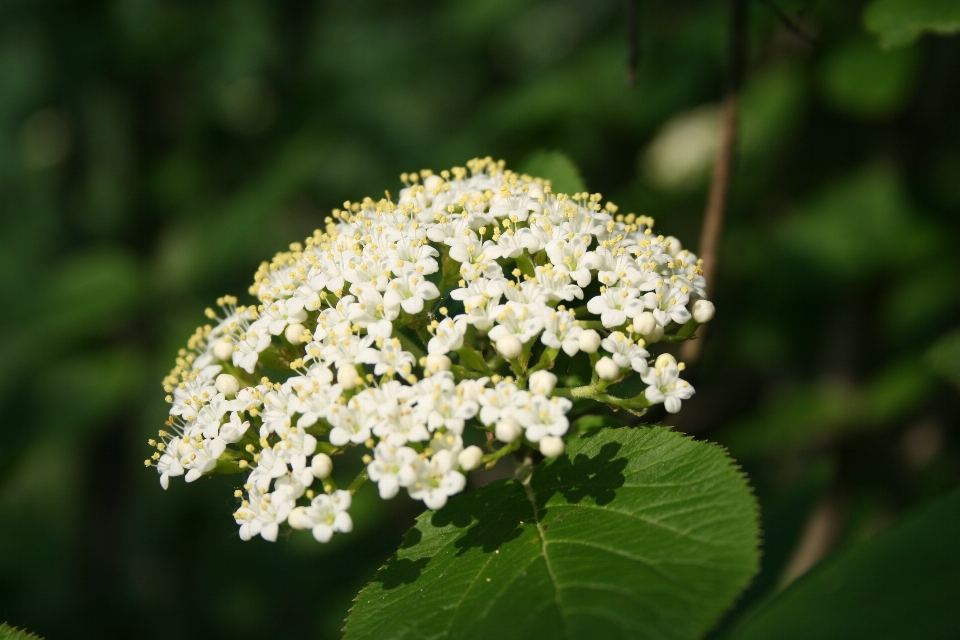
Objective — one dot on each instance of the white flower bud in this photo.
(437, 361)
(298, 519)
(293, 332)
(347, 377)
(469, 458)
(431, 183)
(542, 382)
(507, 430)
(227, 384)
(664, 360)
(607, 369)
(223, 350)
(589, 341)
(534, 190)
(655, 335)
(509, 346)
(645, 323)
(703, 311)
(673, 245)
(321, 466)
(551, 446)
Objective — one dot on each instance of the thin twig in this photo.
(633, 40)
(791, 24)
(723, 165)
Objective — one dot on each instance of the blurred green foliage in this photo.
(153, 152)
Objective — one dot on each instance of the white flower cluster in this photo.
(403, 323)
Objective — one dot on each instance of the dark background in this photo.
(153, 152)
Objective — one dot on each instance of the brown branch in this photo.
(788, 22)
(723, 164)
(633, 40)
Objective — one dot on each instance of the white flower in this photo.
(233, 430)
(410, 290)
(169, 463)
(668, 303)
(561, 331)
(199, 455)
(435, 480)
(545, 417)
(263, 514)
(279, 316)
(626, 353)
(615, 304)
(326, 515)
(573, 258)
(665, 385)
(392, 467)
(447, 337)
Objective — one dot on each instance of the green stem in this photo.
(590, 391)
(358, 482)
(491, 458)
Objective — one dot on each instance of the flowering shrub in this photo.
(478, 299)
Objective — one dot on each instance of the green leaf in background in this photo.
(899, 584)
(860, 80)
(10, 633)
(815, 415)
(944, 357)
(899, 22)
(635, 533)
(556, 167)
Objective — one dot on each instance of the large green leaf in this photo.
(899, 584)
(635, 533)
(900, 22)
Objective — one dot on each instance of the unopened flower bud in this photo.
(703, 311)
(589, 341)
(655, 335)
(509, 346)
(542, 382)
(298, 519)
(293, 333)
(432, 183)
(437, 361)
(227, 384)
(321, 466)
(507, 430)
(607, 369)
(347, 376)
(673, 245)
(665, 360)
(551, 446)
(223, 350)
(645, 323)
(470, 457)
(534, 190)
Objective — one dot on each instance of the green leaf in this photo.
(944, 357)
(904, 583)
(891, 75)
(10, 633)
(639, 533)
(899, 22)
(556, 167)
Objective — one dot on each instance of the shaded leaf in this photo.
(634, 533)
(899, 584)
(899, 22)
